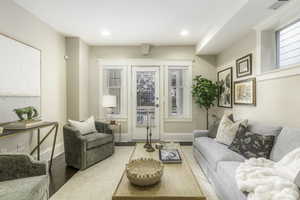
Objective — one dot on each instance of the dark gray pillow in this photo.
(252, 145)
(213, 129)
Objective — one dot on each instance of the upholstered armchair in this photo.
(23, 178)
(82, 151)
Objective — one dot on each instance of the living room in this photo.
(149, 100)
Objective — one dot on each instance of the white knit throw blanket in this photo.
(264, 179)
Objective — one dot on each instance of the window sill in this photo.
(279, 73)
(184, 119)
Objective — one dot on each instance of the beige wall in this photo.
(18, 23)
(77, 78)
(277, 99)
(202, 65)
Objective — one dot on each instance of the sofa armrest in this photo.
(102, 127)
(14, 166)
(200, 133)
(297, 180)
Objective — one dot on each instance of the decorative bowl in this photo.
(144, 171)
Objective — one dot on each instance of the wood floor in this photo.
(61, 173)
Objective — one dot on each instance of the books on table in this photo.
(170, 156)
(23, 124)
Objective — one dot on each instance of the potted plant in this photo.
(205, 93)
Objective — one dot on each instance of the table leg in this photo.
(38, 143)
(53, 146)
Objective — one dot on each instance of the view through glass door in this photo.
(145, 85)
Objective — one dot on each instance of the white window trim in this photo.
(124, 109)
(280, 19)
(187, 117)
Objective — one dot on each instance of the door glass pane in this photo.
(145, 97)
(175, 92)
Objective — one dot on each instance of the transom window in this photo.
(288, 45)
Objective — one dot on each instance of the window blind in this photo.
(288, 44)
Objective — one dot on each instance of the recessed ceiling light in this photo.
(184, 33)
(105, 33)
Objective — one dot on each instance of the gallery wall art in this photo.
(225, 88)
(244, 66)
(245, 92)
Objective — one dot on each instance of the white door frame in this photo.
(136, 135)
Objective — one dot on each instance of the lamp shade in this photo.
(109, 101)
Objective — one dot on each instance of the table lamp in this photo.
(109, 102)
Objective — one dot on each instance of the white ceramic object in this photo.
(144, 171)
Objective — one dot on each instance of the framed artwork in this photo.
(225, 88)
(245, 92)
(244, 66)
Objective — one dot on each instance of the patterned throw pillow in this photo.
(228, 129)
(252, 145)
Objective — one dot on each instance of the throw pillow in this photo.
(228, 129)
(252, 145)
(84, 127)
(213, 129)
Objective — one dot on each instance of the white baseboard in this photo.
(125, 137)
(178, 137)
(46, 154)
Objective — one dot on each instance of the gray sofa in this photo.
(82, 151)
(220, 163)
(22, 178)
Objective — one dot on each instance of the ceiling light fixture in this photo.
(184, 33)
(105, 33)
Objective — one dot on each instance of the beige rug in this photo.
(99, 181)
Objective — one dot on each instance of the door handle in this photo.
(157, 105)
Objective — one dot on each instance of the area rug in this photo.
(99, 181)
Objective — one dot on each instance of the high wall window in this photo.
(114, 83)
(288, 45)
(178, 92)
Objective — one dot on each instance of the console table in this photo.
(54, 128)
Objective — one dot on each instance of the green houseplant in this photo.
(205, 93)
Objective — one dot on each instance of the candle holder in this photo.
(150, 147)
(147, 139)
(146, 146)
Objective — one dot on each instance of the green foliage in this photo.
(205, 92)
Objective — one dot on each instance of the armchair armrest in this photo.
(103, 127)
(200, 133)
(297, 180)
(14, 166)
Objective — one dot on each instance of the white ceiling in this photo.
(212, 24)
(132, 22)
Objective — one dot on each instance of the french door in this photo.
(145, 101)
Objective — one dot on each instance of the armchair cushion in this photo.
(84, 127)
(14, 166)
(98, 139)
(33, 188)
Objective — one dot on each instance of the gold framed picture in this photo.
(245, 92)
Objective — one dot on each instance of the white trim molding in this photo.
(279, 73)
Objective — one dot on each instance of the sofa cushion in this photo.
(226, 174)
(214, 152)
(262, 129)
(228, 129)
(33, 188)
(287, 141)
(97, 139)
(252, 145)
